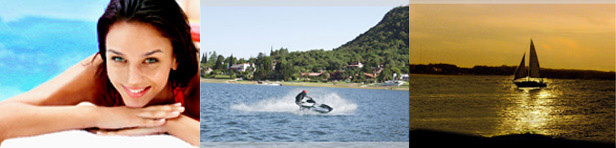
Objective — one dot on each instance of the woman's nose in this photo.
(135, 76)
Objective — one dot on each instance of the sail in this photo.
(520, 72)
(533, 62)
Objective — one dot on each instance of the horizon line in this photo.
(515, 66)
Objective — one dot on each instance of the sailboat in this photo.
(522, 78)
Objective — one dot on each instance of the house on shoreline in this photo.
(356, 65)
(241, 67)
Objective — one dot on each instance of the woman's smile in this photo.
(136, 92)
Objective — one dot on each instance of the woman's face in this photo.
(139, 60)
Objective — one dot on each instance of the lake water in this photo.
(493, 106)
(257, 113)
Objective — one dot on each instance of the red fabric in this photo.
(195, 32)
(179, 96)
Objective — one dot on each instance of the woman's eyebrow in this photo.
(152, 52)
(115, 52)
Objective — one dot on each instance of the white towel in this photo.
(81, 139)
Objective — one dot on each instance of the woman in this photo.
(143, 80)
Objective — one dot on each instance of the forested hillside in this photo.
(383, 50)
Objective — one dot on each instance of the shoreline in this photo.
(417, 74)
(434, 138)
(404, 87)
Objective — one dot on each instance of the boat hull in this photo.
(530, 84)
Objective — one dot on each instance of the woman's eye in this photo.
(118, 59)
(151, 60)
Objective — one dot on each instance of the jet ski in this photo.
(316, 107)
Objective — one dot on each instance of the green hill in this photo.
(388, 40)
(384, 46)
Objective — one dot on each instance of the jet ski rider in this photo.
(304, 104)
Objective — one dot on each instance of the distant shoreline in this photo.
(421, 74)
(450, 69)
(404, 87)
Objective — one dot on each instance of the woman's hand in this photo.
(182, 127)
(124, 117)
(136, 131)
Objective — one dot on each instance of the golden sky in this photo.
(566, 36)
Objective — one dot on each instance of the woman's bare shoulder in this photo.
(76, 84)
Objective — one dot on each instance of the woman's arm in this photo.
(185, 128)
(23, 114)
(52, 107)
(20, 119)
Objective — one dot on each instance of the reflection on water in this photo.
(494, 106)
(530, 114)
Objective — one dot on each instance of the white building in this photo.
(241, 67)
(404, 77)
(356, 64)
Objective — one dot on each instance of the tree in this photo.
(385, 45)
(367, 68)
(213, 59)
(385, 75)
(231, 60)
(204, 58)
(219, 63)
(285, 70)
(264, 67)
(278, 70)
(396, 71)
(324, 76)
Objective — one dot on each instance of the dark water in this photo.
(235, 112)
(493, 106)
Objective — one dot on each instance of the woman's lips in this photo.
(136, 92)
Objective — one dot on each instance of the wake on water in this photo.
(287, 104)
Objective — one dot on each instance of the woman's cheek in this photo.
(115, 73)
(159, 74)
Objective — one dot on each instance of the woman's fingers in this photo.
(161, 113)
(170, 107)
(150, 122)
(133, 131)
(124, 117)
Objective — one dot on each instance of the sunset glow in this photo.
(566, 36)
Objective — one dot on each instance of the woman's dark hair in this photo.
(170, 21)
